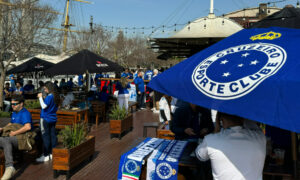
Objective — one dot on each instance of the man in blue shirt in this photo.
(29, 87)
(148, 75)
(140, 90)
(21, 116)
(80, 80)
(125, 74)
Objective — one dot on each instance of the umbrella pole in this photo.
(294, 153)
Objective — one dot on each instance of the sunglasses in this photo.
(14, 104)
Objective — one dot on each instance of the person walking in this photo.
(123, 93)
(48, 120)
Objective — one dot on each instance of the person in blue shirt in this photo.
(29, 87)
(70, 83)
(12, 81)
(48, 120)
(125, 74)
(98, 80)
(19, 89)
(80, 80)
(148, 75)
(21, 116)
(140, 90)
(123, 93)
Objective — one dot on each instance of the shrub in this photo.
(118, 113)
(73, 135)
(32, 104)
(4, 114)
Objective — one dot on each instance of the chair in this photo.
(150, 125)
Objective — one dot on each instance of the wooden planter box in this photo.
(66, 159)
(117, 127)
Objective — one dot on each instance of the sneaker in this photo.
(43, 158)
(153, 109)
(143, 108)
(9, 173)
(156, 111)
(50, 156)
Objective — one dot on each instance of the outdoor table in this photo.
(64, 117)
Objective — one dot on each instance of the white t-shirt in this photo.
(163, 105)
(236, 153)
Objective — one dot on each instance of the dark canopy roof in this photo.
(33, 65)
(84, 61)
(287, 17)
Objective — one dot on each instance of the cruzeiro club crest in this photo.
(164, 170)
(131, 166)
(236, 71)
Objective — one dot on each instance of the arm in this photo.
(43, 105)
(23, 129)
(163, 115)
(202, 152)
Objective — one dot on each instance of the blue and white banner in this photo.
(132, 161)
(167, 163)
(151, 162)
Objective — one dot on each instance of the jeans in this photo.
(141, 100)
(8, 143)
(49, 136)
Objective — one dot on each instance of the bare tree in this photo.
(22, 26)
(96, 40)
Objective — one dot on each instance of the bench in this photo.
(150, 125)
(132, 104)
(163, 132)
(64, 117)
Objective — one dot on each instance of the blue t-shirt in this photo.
(80, 80)
(49, 113)
(125, 75)
(22, 117)
(139, 82)
(121, 89)
(148, 75)
(97, 80)
(18, 91)
(70, 84)
(28, 87)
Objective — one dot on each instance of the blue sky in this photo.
(147, 13)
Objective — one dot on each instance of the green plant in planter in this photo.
(4, 114)
(73, 135)
(118, 113)
(32, 104)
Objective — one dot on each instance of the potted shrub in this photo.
(75, 147)
(120, 121)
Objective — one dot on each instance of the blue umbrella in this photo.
(254, 73)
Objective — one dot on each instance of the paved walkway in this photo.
(105, 164)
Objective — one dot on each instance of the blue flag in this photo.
(253, 74)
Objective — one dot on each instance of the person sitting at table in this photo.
(70, 83)
(62, 83)
(235, 152)
(19, 89)
(29, 87)
(7, 92)
(67, 97)
(21, 117)
(49, 106)
(191, 122)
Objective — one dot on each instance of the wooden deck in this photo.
(106, 159)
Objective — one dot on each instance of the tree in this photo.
(22, 26)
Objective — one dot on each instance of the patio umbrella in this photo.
(82, 62)
(253, 74)
(287, 17)
(33, 65)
